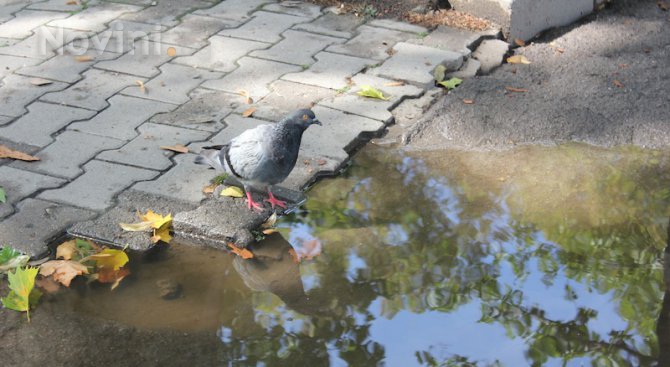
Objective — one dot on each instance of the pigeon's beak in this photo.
(316, 122)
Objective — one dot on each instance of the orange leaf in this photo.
(241, 252)
(14, 154)
(468, 101)
(175, 148)
(618, 83)
(250, 111)
(294, 256)
(394, 84)
(71, 2)
(49, 285)
(519, 42)
(517, 90)
(140, 83)
(245, 94)
(269, 231)
(209, 189)
(321, 162)
(83, 58)
(63, 271)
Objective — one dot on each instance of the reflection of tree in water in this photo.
(433, 243)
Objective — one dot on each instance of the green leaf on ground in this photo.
(439, 73)
(370, 92)
(451, 83)
(22, 294)
(3, 198)
(10, 259)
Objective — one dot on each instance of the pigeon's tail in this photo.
(210, 157)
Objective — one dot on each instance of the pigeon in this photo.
(262, 156)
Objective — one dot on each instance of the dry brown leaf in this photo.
(143, 89)
(175, 148)
(241, 252)
(40, 81)
(519, 42)
(83, 58)
(305, 162)
(63, 271)
(47, 284)
(66, 249)
(663, 5)
(518, 59)
(555, 47)
(468, 101)
(394, 84)
(516, 90)
(294, 256)
(209, 189)
(15, 154)
(321, 162)
(250, 111)
(72, 2)
(245, 94)
(617, 83)
(112, 276)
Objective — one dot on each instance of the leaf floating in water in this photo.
(22, 295)
(110, 259)
(233, 192)
(451, 83)
(309, 249)
(15, 154)
(518, 59)
(241, 252)
(370, 92)
(63, 271)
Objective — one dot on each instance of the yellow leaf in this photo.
(233, 192)
(518, 59)
(63, 271)
(175, 148)
(162, 234)
(249, 111)
(241, 252)
(370, 92)
(110, 259)
(15, 154)
(136, 227)
(155, 219)
(22, 294)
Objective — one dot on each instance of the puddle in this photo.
(537, 256)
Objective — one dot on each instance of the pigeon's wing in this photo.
(248, 153)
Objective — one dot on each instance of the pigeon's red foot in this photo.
(274, 201)
(252, 204)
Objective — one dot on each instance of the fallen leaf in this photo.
(3, 197)
(162, 234)
(305, 162)
(48, 284)
(15, 154)
(249, 111)
(245, 94)
(555, 46)
(241, 252)
(623, 66)
(516, 90)
(233, 192)
(439, 73)
(11, 259)
(66, 250)
(112, 276)
(22, 295)
(209, 188)
(663, 5)
(270, 222)
(40, 81)
(370, 92)
(175, 148)
(518, 59)
(136, 227)
(147, 221)
(617, 83)
(321, 162)
(71, 2)
(309, 249)
(143, 89)
(468, 101)
(294, 256)
(63, 271)
(83, 58)
(110, 259)
(394, 84)
(451, 83)
(519, 42)
(269, 231)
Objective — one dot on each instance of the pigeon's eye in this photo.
(305, 117)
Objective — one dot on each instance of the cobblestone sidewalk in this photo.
(124, 78)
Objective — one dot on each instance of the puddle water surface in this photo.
(536, 256)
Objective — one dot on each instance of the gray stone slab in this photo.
(57, 5)
(122, 36)
(233, 9)
(372, 42)
(65, 68)
(37, 223)
(47, 42)
(265, 27)
(451, 39)
(221, 54)
(19, 184)
(253, 76)
(333, 25)
(309, 168)
(289, 96)
(490, 54)
(297, 47)
(31, 47)
(166, 12)
(26, 21)
(144, 59)
(298, 8)
(469, 69)
(5, 120)
(93, 91)
(98, 186)
(9, 8)
(13, 63)
(144, 150)
(173, 84)
(41, 121)
(414, 63)
(16, 92)
(235, 125)
(65, 156)
(330, 71)
(123, 116)
(95, 18)
(398, 26)
(194, 30)
(204, 111)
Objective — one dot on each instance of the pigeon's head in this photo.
(304, 118)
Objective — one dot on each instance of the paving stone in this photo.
(297, 47)
(123, 116)
(49, 41)
(204, 111)
(26, 20)
(144, 150)
(194, 30)
(222, 53)
(166, 12)
(58, 5)
(19, 184)
(490, 54)
(398, 26)
(93, 91)
(16, 92)
(333, 25)
(9, 8)
(71, 149)
(450, 39)
(469, 69)
(235, 125)
(298, 8)
(144, 59)
(31, 47)
(95, 18)
(5, 120)
(122, 36)
(289, 96)
(37, 223)
(106, 229)
(96, 188)
(308, 168)
(6, 42)
(253, 76)
(233, 9)
(264, 27)
(12, 63)
(173, 84)
(415, 63)
(330, 71)
(65, 68)
(41, 121)
(372, 42)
